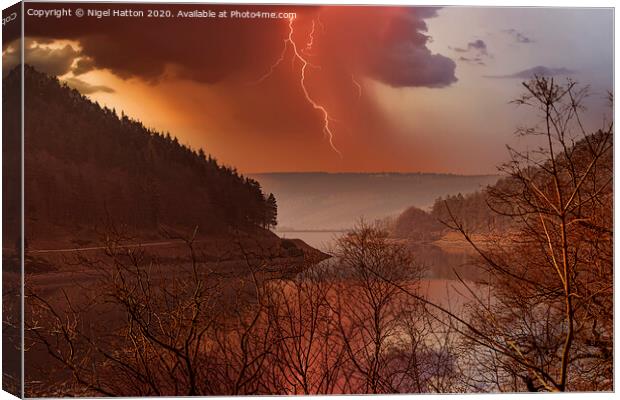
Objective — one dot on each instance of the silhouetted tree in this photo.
(271, 218)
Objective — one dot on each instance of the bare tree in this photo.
(385, 330)
(308, 354)
(143, 330)
(144, 327)
(547, 324)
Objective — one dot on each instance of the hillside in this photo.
(86, 166)
(488, 208)
(323, 201)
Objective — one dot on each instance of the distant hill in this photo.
(477, 211)
(471, 210)
(338, 200)
(85, 164)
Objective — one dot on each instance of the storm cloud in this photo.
(208, 71)
(383, 43)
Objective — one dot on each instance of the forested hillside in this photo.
(470, 209)
(486, 209)
(85, 164)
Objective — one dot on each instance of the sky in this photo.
(337, 88)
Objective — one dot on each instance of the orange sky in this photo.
(406, 89)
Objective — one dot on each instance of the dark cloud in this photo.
(45, 58)
(476, 51)
(87, 88)
(473, 60)
(83, 65)
(220, 63)
(53, 61)
(384, 43)
(201, 49)
(535, 71)
(477, 46)
(518, 36)
(415, 67)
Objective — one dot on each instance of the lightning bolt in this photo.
(274, 66)
(304, 65)
(311, 38)
(320, 23)
(298, 56)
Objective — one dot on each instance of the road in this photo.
(78, 249)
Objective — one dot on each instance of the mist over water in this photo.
(337, 201)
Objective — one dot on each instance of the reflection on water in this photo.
(439, 264)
